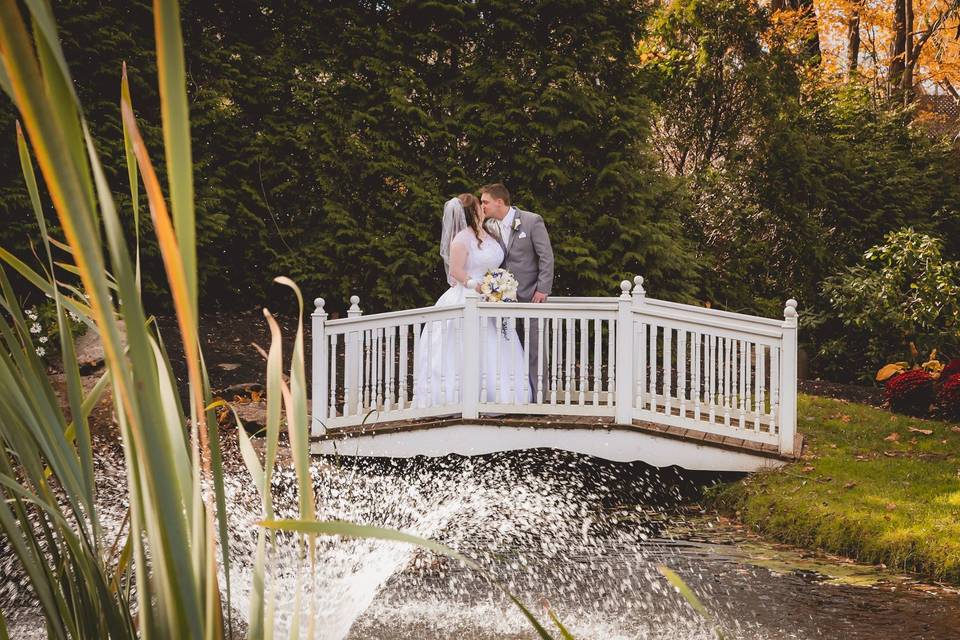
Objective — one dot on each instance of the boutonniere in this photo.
(516, 224)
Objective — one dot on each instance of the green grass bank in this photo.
(861, 491)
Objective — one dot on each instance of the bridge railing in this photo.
(629, 357)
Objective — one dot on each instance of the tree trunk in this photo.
(906, 81)
(812, 45)
(813, 40)
(853, 40)
(898, 50)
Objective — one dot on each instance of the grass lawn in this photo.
(861, 491)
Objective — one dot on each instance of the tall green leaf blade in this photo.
(176, 133)
(131, 170)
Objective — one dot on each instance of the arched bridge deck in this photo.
(622, 378)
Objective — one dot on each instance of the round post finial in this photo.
(354, 309)
(790, 312)
(472, 287)
(625, 290)
(318, 304)
(638, 291)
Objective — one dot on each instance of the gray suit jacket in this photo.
(529, 256)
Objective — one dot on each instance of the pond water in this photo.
(585, 537)
(579, 535)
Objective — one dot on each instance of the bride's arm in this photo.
(458, 262)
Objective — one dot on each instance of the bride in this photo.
(469, 252)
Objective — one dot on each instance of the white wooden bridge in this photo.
(623, 378)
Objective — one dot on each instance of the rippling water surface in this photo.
(579, 535)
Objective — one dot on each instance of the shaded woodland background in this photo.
(735, 153)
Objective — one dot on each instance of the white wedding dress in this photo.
(438, 357)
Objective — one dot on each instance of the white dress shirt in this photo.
(506, 226)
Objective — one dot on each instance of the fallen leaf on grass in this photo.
(893, 437)
(807, 469)
(925, 432)
(891, 506)
(845, 418)
(833, 446)
(254, 396)
(955, 429)
(850, 485)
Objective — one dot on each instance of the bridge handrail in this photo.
(627, 357)
(675, 306)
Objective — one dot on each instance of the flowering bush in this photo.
(44, 332)
(951, 369)
(910, 392)
(948, 399)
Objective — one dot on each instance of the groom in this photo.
(527, 255)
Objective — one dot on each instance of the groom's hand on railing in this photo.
(539, 297)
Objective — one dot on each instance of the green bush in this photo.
(904, 299)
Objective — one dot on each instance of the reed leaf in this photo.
(131, 169)
(674, 579)
(176, 135)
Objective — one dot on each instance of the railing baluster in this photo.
(524, 373)
(697, 367)
(774, 388)
(727, 369)
(443, 361)
(757, 384)
(402, 387)
(378, 375)
(568, 362)
(611, 361)
(484, 359)
(431, 401)
(597, 353)
(458, 362)
(332, 381)
(711, 378)
(555, 360)
(541, 361)
(682, 370)
(347, 381)
(365, 365)
(584, 361)
(763, 379)
(496, 376)
(640, 331)
(742, 404)
(667, 370)
(652, 363)
(419, 361)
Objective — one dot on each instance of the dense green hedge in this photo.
(328, 135)
(679, 141)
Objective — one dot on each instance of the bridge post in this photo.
(352, 355)
(321, 389)
(624, 357)
(788, 379)
(471, 352)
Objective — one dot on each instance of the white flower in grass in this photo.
(36, 328)
(41, 351)
(42, 339)
(73, 316)
(32, 313)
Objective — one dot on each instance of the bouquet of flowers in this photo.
(498, 285)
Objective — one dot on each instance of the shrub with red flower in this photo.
(951, 369)
(948, 399)
(910, 392)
